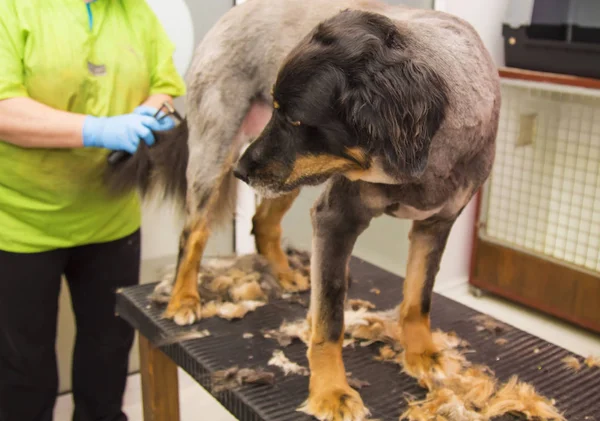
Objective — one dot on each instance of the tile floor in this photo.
(194, 400)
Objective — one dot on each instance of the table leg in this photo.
(160, 388)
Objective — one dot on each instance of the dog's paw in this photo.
(432, 368)
(185, 311)
(336, 404)
(293, 281)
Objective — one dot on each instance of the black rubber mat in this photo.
(535, 361)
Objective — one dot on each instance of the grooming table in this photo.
(577, 394)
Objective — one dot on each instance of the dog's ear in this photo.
(398, 103)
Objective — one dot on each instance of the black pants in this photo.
(29, 293)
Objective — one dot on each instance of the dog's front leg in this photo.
(427, 243)
(338, 219)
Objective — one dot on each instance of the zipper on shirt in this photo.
(90, 16)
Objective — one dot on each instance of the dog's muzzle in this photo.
(242, 170)
(241, 174)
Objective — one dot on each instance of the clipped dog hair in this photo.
(156, 171)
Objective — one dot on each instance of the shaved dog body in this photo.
(396, 109)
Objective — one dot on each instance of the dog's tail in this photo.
(159, 170)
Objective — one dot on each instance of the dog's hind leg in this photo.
(266, 228)
(338, 219)
(219, 127)
(184, 305)
(428, 240)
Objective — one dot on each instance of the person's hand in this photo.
(120, 133)
(166, 122)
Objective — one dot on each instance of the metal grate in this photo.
(543, 195)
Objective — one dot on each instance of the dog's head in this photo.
(350, 93)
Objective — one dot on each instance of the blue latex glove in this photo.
(120, 133)
(166, 122)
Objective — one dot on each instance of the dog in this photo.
(393, 109)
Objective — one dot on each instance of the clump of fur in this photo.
(371, 327)
(287, 332)
(489, 324)
(457, 389)
(232, 311)
(357, 304)
(441, 404)
(288, 367)
(234, 377)
(355, 383)
(247, 291)
(521, 398)
(592, 361)
(387, 353)
(232, 286)
(572, 362)
(186, 336)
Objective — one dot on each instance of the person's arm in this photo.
(157, 100)
(23, 121)
(31, 124)
(27, 123)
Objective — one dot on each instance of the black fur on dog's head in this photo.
(348, 94)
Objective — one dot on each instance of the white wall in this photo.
(487, 20)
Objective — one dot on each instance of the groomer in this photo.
(77, 81)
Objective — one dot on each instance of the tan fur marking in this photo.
(330, 396)
(416, 331)
(326, 362)
(267, 233)
(184, 304)
(372, 172)
(360, 155)
(306, 166)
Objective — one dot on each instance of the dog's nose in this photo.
(241, 173)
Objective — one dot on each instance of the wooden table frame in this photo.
(160, 385)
